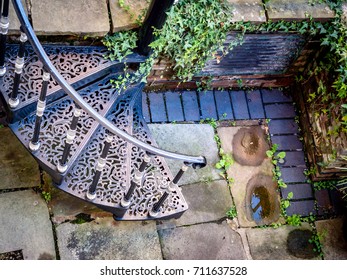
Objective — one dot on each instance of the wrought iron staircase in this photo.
(94, 143)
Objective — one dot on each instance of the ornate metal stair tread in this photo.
(55, 125)
(78, 65)
(123, 158)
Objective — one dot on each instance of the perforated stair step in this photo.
(56, 122)
(122, 160)
(78, 65)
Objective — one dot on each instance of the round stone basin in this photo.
(262, 200)
(249, 146)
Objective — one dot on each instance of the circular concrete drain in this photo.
(250, 146)
(262, 200)
(298, 244)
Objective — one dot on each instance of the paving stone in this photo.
(65, 17)
(284, 126)
(303, 207)
(337, 202)
(279, 111)
(174, 106)
(297, 10)
(293, 175)
(334, 242)
(242, 175)
(247, 10)
(223, 103)
(287, 142)
(255, 104)
(18, 169)
(300, 191)
(106, 239)
(207, 202)
(13, 19)
(145, 108)
(190, 106)
(272, 244)
(275, 96)
(157, 106)
(294, 159)
(202, 242)
(207, 105)
(190, 139)
(239, 102)
(125, 20)
(324, 205)
(25, 225)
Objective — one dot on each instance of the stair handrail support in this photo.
(194, 161)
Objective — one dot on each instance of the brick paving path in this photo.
(274, 105)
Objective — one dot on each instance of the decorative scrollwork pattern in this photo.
(123, 159)
(72, 62)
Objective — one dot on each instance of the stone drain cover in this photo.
(262, 201)
(249, 146)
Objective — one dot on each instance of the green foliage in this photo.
(316, 240)
(195, 31)
(211, 121)
(47, 196)
(226, 160)
(276, 159)
(324, 185)
(294, 220)
(232, 213)
(120, 44)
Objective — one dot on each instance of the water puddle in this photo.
(260, 204)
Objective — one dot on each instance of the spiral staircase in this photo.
(90, 137)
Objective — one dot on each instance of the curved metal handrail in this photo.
(196, 161)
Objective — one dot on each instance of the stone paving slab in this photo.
(333, 241)
(14, 22)
(286, 126)
(247, 10)
(300, 191)
(25, 225)
(302, 207)
(65, 17)
(209, 241)
(125, 20)
(242, 175)
(223, 105)
(18, 169)
(190, 139)
(174, 106)
(207, 105)
(240, 107)
(287, 142)
(297, 10)
(106, 239)
(272, 244)
(207, 202)
(190, 106)
(275, 96)
(157, 107)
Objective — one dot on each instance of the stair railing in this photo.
(50, 71)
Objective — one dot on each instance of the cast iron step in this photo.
(79, 65)
(122, 161)
(56, 121)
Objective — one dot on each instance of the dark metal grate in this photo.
(259, 54)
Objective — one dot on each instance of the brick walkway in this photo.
(274, 105)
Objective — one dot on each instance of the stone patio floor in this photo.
(67, 228)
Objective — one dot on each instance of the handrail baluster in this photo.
(4, 25)
(136, 182)
(34, 144)
(14, 100)
(91, 193)
(70, 137)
